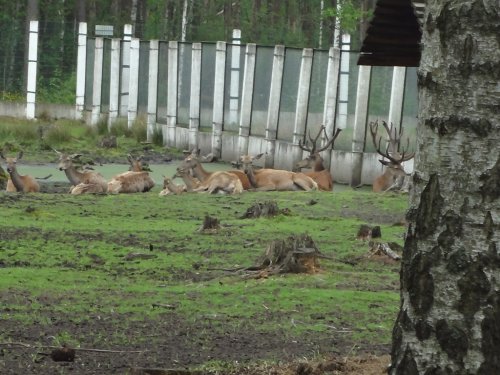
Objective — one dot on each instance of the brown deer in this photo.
(190, 181)
(319, 173)
(275, 179)
(192, 162)
(394, 175)
(16, 182)
(221, 182)
(136, 164)
(169, 187)
(89, 181)
(131, 182)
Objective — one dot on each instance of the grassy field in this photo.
(132, 276)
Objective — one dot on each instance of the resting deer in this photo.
(190, 181)
(319, 173)
(82, 181)
(131, 182)
(16, 182)
(275, 179)
(394, 175)
(221, 182)
(191, 162)
(170, 187)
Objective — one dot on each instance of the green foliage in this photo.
(348, 13)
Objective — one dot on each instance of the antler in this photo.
(394, 143)
(315, 140)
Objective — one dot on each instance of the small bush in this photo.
(157, 136)
(57, 134)
(139, 130)
(120, 128)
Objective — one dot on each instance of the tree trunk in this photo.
(449, 319)
(81, 11)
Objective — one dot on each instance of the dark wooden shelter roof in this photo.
(393, 35)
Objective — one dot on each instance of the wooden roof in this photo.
(393, 36)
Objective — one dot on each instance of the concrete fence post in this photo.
(234, 88)
(360, 118)
(344, 81)
(32, 68)
(194, 104)
(397, 96)
(125, 69)
(97, 81)
(81, 66)
(274, 104)
(133, 84)
(114, 82)
(246, 99)
(331, 95)
(173, 63)
(152, 88)
(302, 102)
(218, 109)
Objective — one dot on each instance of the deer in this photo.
(394, 175)
(192, 162)
(275, 179)
(319, 173)
(17, 182)
(82, 181)
(169, 187)
(136, 163)
(221, 182)
(190, 181)
(130, 182)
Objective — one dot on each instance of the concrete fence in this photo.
(237, 101)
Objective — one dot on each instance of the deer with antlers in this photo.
(275, 179)
(314, 160)
(394, 175)
(82, 181)
(192, 162)
(16, 182)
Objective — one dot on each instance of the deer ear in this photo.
(1, 155)
(258, 156)
(20, 155)
(384, 162)
(129, 158)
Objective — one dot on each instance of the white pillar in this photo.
(32, 67)
(344, 81)
(234, 88)
(274, 104)
(246, 99)
(302, 102)
(397, 96)
(114, 82)
(125, 68)
(152, 88)
(97, 81)
(331, 95)
(81, 66)
(133, 83)
(360, 118)
(194, 104)
(173, 62)
(218, 110)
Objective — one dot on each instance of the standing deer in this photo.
(82, 181)
(319, 173)
(394, 175)
(191, 162)
(275, 179)
(16, 182)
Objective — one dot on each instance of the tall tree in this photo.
(449, 319)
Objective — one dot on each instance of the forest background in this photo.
(294, 23)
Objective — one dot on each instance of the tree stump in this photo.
(210, 225)
(266, 209)
(296, 254)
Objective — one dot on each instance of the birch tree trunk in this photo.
(449, 319)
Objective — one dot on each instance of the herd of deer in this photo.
(197, 179)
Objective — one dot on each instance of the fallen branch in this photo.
(30, 346)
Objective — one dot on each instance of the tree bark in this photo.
(449, 318)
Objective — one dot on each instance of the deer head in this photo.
(394, 152)
(11, 162)
(314, 160)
